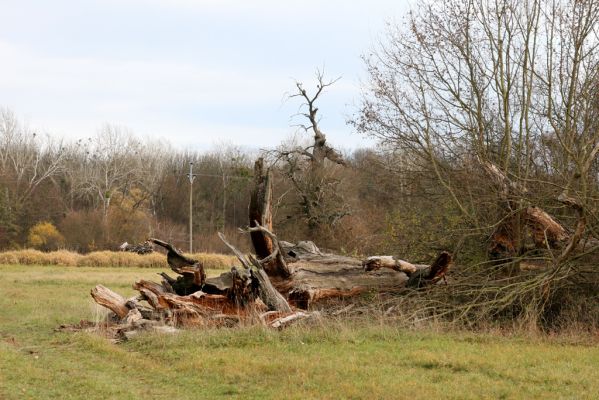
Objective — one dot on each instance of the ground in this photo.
(326, 362)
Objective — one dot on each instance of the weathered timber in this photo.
(255, 280)
(305, 275)
(268, 294)
(264, 241)
(319, 276)
(525, 226)
(281, 277)
(259, 209)
(377, 262)
(111, 300)
(192, 274)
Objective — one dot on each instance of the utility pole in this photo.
(191, 177)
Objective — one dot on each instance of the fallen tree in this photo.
(272, 287)
(527, 226)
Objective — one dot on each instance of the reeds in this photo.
(107, 259)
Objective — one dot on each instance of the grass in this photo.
(327, 362)
(107, 259)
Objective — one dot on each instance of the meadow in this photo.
(334, 360)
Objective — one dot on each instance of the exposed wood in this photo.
(152, 292)
(546, 231)
(268, 294)
(319, 276)
(289, 319)
(275, 263)
(260, 209)
(111, 300)
(242, 291)
(526, 226)
(281, 277)
(255, 280)
(192, 271)
(376, 262)
(432, 274)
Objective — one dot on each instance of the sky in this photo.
(196, 73)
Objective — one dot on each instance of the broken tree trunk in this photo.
(192, 274)
(244, 293)
(260, 197)
(111, 300)
(305, 275)
(269, 286)
(527, 226)
(320, 276)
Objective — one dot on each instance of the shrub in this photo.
(45, 236)
(83, 230)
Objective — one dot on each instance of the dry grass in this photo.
(107, 259)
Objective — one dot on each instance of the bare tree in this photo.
(111, 166)
(496, 102)
(306, 167)
(26, 159)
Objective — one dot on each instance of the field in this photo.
(327, 362)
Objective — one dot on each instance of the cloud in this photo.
(179, 68)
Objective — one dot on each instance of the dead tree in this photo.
(306, 275)
(320, 149)
(525, 220)
(306, 167)
(268, 288)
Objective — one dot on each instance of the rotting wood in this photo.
(305, 275)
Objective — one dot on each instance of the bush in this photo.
(45, 236)
(83, 230)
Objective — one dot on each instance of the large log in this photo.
(281, 277)
(320, 276)
(527, 226)
(305, 275)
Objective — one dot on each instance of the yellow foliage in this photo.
(45, 236)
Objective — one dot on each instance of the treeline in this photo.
(102, 191)
(96, 193)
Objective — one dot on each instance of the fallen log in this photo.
(269, 287)
(527, 226)
(305, 275)
(320, 276)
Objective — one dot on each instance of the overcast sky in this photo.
(194, 73)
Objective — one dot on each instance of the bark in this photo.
(305, 275)
(319, 276)
(282, 277)
(260, 198)
(192, 274)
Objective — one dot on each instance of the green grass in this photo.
(336, 361)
